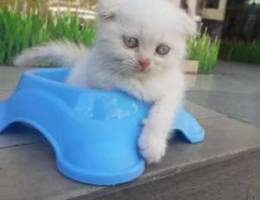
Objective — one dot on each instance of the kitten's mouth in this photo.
(140, 69)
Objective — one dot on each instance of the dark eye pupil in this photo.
(163, 50)
(130, 42)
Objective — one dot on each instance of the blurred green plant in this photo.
(24, 29)
(205, 50)
(241, 51)
(20, 30)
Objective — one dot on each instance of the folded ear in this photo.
(107, 8)
(176, 2)
(189, 26)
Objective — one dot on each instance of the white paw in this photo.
(152, 148)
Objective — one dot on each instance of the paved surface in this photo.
(27, 163)
(234, 90)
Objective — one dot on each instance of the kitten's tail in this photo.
(62, 53)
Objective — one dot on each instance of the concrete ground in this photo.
(225, 166)
(234, 90)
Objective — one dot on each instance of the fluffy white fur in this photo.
(192, 8)
(110, 64)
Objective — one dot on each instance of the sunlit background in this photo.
(82, 7)
(233, 23)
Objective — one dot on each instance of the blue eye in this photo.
(163, 49)
(131, 42)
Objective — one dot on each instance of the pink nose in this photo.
(144, 64)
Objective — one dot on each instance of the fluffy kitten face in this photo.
(143, 36)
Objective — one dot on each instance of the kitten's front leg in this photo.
(153, 140)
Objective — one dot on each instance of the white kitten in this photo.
(139, 49)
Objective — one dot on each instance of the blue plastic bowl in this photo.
(94, 133)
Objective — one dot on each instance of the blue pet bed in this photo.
(94, 133)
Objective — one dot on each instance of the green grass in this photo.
(241, 52)
(203, 49)
(20, 30)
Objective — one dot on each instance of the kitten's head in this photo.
(143, 36)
